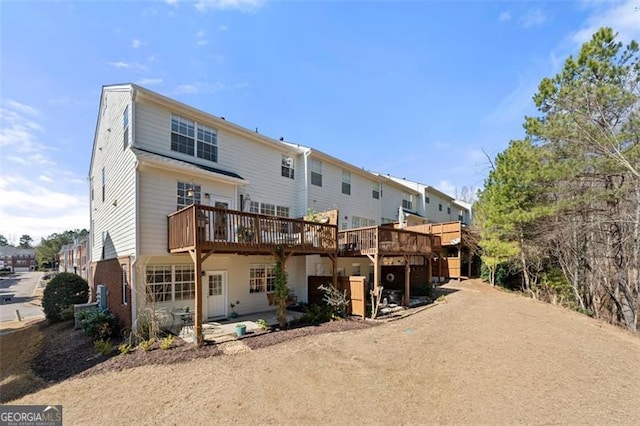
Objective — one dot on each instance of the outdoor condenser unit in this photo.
(101, 297)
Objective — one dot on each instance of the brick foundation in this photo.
(109, 273)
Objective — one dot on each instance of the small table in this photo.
(186, 318)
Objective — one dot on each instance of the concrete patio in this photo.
(224, 330)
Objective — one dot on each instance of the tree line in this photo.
(559, 213)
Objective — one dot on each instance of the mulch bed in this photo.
(67, 352)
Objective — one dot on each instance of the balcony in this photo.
(213, 229)
(383, 241)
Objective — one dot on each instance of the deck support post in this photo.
(407, 280)
(334, 270)
(197, 320)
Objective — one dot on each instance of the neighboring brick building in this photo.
(18, 259)
(73, 257)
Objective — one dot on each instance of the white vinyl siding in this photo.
(115, 218)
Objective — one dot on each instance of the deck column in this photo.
(407, 280)
(197, 320)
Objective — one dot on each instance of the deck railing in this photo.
(223, 230)
(382, 240)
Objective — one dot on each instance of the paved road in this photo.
(21, 287)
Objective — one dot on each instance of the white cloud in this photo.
(623, 17)
(36, 204)
(202, 41)
(128, 65)
(446, 187)
(533, 18)
(197, 88)
(136, 43)
(22, 108)
(514, 105)
(223, 28)
(172, 2)
(149, 81)
(242, 5)
(504, 16)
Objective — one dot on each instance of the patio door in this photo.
(215, 287)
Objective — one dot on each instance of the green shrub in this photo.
(262, 324)
(105, 347)
(98, 325)
(316, 313)
(424, 289)
(125, 348)
(166, 343)
(145, 345)
(62, 292)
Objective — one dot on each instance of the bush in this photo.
(316, 313)
(98, 325)
(125, 348)
(145, 345)
(166, 343)
(105, 347)
(336, 299)
(424, 289)
(62, 292)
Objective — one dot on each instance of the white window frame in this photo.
(261, 278)
(184, 282)
(124, 268)
(159, 291)
(182, 199)
(287, 167)
(375, 191)
(346, 182)
(316, 172)
(407, 201)
(185, 133)
(207, 143)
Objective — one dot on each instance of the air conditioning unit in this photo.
(101, 297)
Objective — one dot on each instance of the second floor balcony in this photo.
(383, 241)
(213, 229)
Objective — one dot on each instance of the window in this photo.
(185, 288)
(207, 143)
(375, 192)
(427, 199)
(104, 183)
(159, 283)
(254, 207)
(407, 201)
(182, 135)
(287, 167)
(316, 172)
(124, 283)
(346, 183)
(461, 218)
(125, 126)
(268, 209)
(282, 211)
(361, 222)
(440, 207)
(261, 279)
(355, 269)
(448, 210)
(183, 197)
(166, 283)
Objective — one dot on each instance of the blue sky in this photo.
(414, 89)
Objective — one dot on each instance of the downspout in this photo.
(306, 154)
(134, 261)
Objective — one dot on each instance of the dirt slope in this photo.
(484, 357)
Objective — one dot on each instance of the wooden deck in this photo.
(212, 229)
(386, 241)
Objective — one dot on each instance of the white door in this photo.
(215, 286)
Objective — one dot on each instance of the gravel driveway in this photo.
(485, 356)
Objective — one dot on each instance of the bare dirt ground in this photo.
(485, 356)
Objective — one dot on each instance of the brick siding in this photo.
(109, 273)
